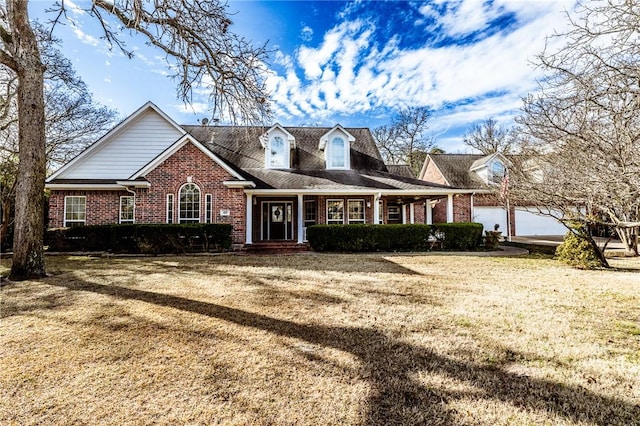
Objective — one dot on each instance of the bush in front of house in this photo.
(141, 238)
(409, 237)
(578, 252)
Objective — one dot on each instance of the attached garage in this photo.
(489, 216)
(529, 222)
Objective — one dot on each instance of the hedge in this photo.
(141, 238)
(413, 237)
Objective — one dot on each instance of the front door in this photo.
(277, 220)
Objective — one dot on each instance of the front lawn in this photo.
(321, 339)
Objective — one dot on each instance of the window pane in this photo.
(126, 209)
(277, 152)
(169, 208)
(336, 152)
(189, 204)
(75, 210)
(335, 211)
(356, 211)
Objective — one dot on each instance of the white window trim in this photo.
(190, 220)
(133, 220)
(64, 213)
(286, 154)
(344, 214)
(347, 151)
(364, 213)
(389, 212)
(492, 178)
(170, 209)
(208, 208)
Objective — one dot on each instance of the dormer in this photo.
(336, 144)
(277, 144)
(491, 168)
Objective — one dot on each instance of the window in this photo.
(127, 204)
(169, 208)
(75, 211)
(356, 211)
(496, 173)
(208, 208)
(337, 155)
(393, 213)
(335, 211)
(380, 212)
(189, 204)
(309, 213)
(278, 157)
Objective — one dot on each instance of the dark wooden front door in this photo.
(277, 220)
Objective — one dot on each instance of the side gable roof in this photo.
(456, 169)
(125, 148)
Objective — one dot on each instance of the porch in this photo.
(285, 217)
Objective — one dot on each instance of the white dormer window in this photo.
(277, 153)
(336, 153)
(496, 173)
(337, 146)
(277, 143)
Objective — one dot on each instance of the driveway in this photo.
(555, 240)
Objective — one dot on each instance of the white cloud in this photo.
(306, 34)
(85, 38)
(349, 74)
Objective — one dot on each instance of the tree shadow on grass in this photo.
(391, 367)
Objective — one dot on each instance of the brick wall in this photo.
(188, 163)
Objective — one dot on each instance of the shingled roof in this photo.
(240, 148)
(456, 169)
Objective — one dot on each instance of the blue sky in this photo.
(352, 63)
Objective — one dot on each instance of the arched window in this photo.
(497, 172)
(277, 153)
(336, 154)
(189, 203)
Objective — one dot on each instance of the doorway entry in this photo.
(277, 220)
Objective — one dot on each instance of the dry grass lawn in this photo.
(321, 339)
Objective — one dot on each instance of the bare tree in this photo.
(72, 121)
(405, 140)
(489, 137)
(583, 128)
(199, 48)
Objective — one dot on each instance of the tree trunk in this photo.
(28, 251)
(629, 238)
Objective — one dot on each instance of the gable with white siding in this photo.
(126, 149)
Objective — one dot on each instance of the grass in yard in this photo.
(321, 339)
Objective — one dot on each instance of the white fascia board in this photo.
(264, 139)
(186, 138)
(239, 184)
(113, 133)
(325, 138)
(84, 186)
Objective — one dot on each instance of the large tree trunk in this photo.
(28, 252)
(629, 238)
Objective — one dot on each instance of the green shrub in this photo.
(141, 238)
(578, 252)
(409, 237)
(459, 236)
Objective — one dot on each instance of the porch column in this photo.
(249, 220)
(300, 218)
(449, 208)
(404, 213)
(412, 217)
(376, 210)
(429, 212)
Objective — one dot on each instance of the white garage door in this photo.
(529, 223)
(489, 216)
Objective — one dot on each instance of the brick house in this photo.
(484, 202)
(269, 183)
